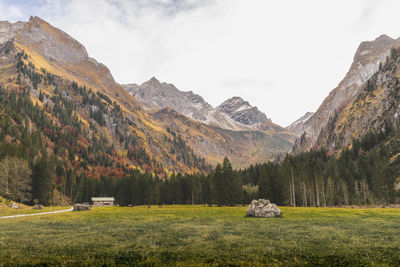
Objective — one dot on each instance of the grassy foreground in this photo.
(197, 235)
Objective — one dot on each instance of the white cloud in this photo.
(11, 12)
(283, 56)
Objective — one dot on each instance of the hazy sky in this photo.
(282, 56)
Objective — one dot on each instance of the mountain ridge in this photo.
(366, 61)
(156, 95)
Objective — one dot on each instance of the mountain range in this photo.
(126, 120)
(234, 129)
(108, 128)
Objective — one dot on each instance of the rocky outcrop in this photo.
(263, 208)
(8, 30)
(81, 207)
(297, 127)
(14, 206)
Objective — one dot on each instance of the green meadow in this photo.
(200, 236)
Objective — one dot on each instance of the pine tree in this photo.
(42, 181)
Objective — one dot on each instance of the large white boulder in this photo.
(263, 208)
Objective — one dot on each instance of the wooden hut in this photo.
(103, 201)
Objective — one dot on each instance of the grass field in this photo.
(197, 235)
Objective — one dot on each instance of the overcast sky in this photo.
(282, 56)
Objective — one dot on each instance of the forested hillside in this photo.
(366, 174)
(62, 132)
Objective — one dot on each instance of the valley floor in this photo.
(198, 235)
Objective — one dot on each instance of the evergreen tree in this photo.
(42, 181)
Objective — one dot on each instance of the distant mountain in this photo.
(233, 114)
(243, 147)
(234, 129)
(297, 127)
(369, 56)
(156, 95)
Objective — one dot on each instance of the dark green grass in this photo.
(196, 235)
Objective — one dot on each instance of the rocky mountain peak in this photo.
(52, 43)
(241, 111)
(233, 104)
(153, 81)
(156, 95)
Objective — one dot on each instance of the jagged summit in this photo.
(241, 111)
(156, 95)
(235, 101)
(233, 114)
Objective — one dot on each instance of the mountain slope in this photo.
(213, 143)
(77, 95)
(366, 62)
(375, 109)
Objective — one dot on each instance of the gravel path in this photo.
(34, 214)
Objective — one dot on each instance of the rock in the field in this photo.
(38, 207)
(80, 207)
(263, 208)
(14, 206)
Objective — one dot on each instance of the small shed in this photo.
(103, 201)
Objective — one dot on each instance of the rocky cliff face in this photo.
(376, 108)
(9, 30)
(297, 127)
(366, 62)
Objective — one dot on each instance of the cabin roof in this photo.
(103, 199)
